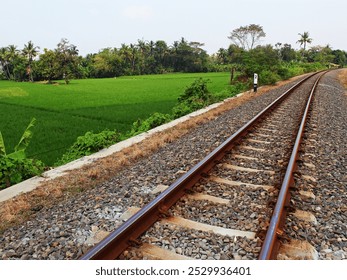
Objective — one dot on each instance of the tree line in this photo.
(244, 54)
(64, 62)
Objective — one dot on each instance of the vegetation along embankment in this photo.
(85, 103)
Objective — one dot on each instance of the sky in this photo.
(92, 25)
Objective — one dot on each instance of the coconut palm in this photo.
(304, 39)
(8, 57)
(30, 52)
(12, 51)
(4, 62)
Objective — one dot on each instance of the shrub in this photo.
(295, 70)
(230, 91)
(267, 77)
(181, 109)
(88, 144)
(14, 171)
(197, 92)
(284, 73)
(152, 121)
(195, 97)
(312, 67)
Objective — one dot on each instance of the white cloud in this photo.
(138, 12)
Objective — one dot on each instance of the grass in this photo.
(343, 78)
(64, 112)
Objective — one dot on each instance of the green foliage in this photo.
(15, 167)
(2, 146)
(260, 59)
(15, 170)
(66, 56)
(230, 91)
(312, 67)
(19, 149)
(30, 52)
(304, 39)
(284, 73)
(154, 120)
(295, 70)
(197, 92)
(24, 141)
(286, 52)
(195, 97)
(88, 144)
(340, 57)
(181, 109)
(47, 66)
(267, 77)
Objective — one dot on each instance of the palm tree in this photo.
(4, 62)
(304, 39)
(30, 52)
(10, 55)
(125, 54)
(12, 51)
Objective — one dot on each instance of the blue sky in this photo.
(95, 24)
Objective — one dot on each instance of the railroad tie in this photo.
(185, 223)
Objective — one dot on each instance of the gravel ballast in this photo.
(322, 170)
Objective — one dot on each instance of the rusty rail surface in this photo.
(271, 243)
(116, 242)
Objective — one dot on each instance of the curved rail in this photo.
(271, 244)
(116, 242)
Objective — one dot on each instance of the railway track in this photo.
(252, 169)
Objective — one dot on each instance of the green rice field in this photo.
(64, 112)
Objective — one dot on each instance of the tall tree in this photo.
(107, 63)
(134, 58)
(304, 39)
(340, 57)
(287, 53)
(48, 66)
(67, 56)
(4, 62)
(30, 52)
(161, 55)
(247, 37)
(259, 59)
(13, 62)
(126, 55)
(223, 56)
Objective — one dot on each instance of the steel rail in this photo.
(271, 243)
(117, 241)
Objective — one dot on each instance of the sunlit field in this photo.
(64, 112)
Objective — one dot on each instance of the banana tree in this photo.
(19, 149)
(16, 167)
